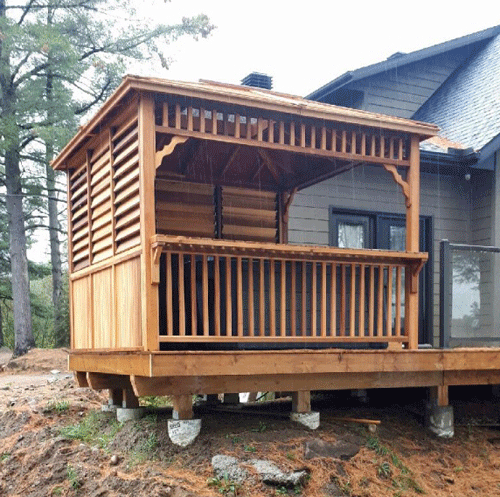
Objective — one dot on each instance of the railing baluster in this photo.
(194, 317)
(303, 312)
(272, 299)
(182, 306)
(313, 137)
(248, 135)
(380, 302)
(170, 316)
(342, 301)
(190, 118)
(398, 301)
(334, 141)
(251, 318)
(323, 138)
(164, 118)
(361, 315)
(371, 304)
(314, 288)
(343, 148)
(283, 299)
(353, 143)
(333, 301)
(352, 303)
(206, 321)
(229, 300)
(270, 131)
(293, 299)
(389, 301)
(217, 316)
(262, 302)
(282, 133)
(323, 299)
(239, 296)
(292, 134)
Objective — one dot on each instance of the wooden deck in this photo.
(209, 372)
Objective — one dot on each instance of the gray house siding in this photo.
(369, 188)
(402, 91)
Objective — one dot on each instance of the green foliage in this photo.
(73, 478)
(224, 485)
(57, 406)
(89, 430)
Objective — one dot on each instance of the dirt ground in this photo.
(54, 440)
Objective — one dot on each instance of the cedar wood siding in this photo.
(369, 188)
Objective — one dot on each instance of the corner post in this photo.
(147, 172)
(412, 243)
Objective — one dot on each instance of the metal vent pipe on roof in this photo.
(258, 80)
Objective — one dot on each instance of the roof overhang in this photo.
(233, 95)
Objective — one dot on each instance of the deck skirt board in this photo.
(217, 371)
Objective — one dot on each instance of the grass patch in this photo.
(224, 486)
(57, 406)
(90, 430)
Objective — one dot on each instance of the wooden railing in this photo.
(226, 291)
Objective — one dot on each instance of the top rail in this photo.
(210, 246)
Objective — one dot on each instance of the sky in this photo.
(303, 45)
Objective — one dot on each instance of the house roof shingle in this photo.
(467, 106)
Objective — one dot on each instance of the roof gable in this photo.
(398, 60)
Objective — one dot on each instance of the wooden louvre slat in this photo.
(185, 208)
(249, 215)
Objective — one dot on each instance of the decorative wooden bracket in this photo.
(400, 181)
(415, 271)
(287, 204)
(169, 148)
(155, 263)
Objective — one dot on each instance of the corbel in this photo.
(156, 251)
(287, 204)
(415, 269)
(400, 181)
(169, 148)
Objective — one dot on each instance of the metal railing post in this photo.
(445, 294)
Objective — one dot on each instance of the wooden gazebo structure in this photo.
(181, 278)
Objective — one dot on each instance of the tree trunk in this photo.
(15, 216)
(1, 328)
(61, 334)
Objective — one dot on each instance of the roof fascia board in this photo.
(410, 58)
(487, 151)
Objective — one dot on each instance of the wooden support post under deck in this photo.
(412, 243)
(147, 171)
(439, 395)
(130, 400)
(301, 401)
(183, 407)
(116, 397)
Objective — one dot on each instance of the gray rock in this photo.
(228, 467)
(55, 371)
(272, 475)
(341, 449)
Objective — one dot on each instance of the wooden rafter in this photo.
(400, 181)
(229, 162)
(269, 164)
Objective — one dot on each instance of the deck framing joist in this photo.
(208, 372)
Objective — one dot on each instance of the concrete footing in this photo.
(183, 432)
(129, 414)
(308, 419)
(439, 420)
(109, 408)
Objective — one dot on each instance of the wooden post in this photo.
(439, 395)
(412, 243)
(183, 407)
(130, 400)
(147, 171)
(301, 401)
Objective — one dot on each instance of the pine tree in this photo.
(58, 59)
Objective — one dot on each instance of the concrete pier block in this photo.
(183, 432)
(308, 419)
(129, 414)
(440, 421)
